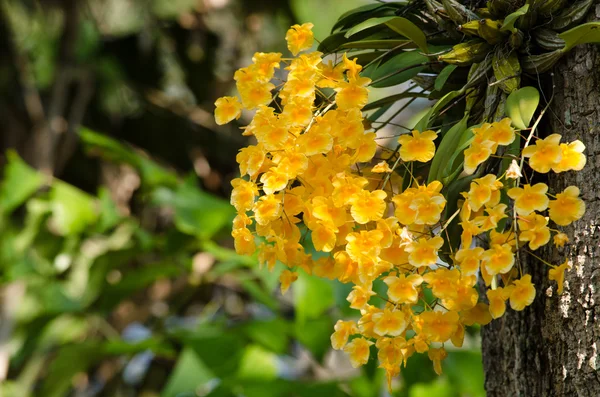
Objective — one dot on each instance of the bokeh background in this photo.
(117, 273)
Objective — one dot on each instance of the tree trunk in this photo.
(553, 347)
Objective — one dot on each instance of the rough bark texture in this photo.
(553, 347)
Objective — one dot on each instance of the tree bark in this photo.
(553, 347)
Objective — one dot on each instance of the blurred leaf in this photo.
(134, 280)
(37, 209)
(196, 212)
(312, 297)
(341, 292)
(19, 183)
(315, 334)
(326, 17)
(72, 210)
(172, 8)
(221, 352)
(464, 368)
(77, 358)
(9, 388)
(189, 374)
(271, 334)
(109, 214)
(257, 363)
(151, 173)
(69, 361)
(419, 369)
(362, 386)
(122, 347)
(320, 389)
(252, 287)
(63, 329)
(227, 254)
(88, 41)
(55, 301)
(439, 388)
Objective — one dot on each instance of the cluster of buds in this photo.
(310, 179)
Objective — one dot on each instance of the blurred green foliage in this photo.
(149, 299)
(66, 247)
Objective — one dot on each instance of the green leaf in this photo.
(452, 193)
(511, 19)
(221, 351)
(399, 25)
(521, 105)
(426, 119)
(398, 69)
(77, 358)
(65, 328)
(582, 34)
(271, 334)
(120, 347)
(370, 69)
(15, 249)
(363, 386)
(19, 183)
(109, 213)
(257, 364)
(332, 42)
(446, 148)
(72, 209)
(454, 166)
(134, 280)
(409, 30)
(377, 44)
(364, 58)
(355, 15)
(465, 372)
(440, 387)
(257, 291)
(151, 173)
(507, 70)
(172, 9)
(312, 296)
(380, 112)
(315, 335)
(69, 361)
(196, 212)
(189, 374)
(341, 292)
(441, 79)
(369, 23)
(418, 369)
(392, 99)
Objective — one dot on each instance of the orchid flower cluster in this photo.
(311, 177)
